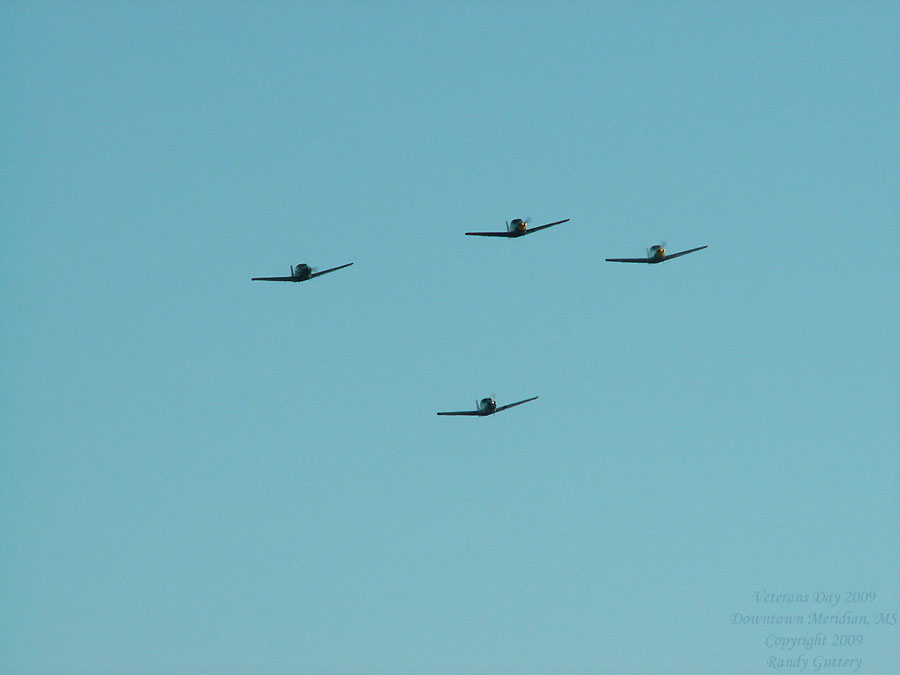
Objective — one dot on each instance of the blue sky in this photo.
(204, 474)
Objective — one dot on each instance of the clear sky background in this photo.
(201, 473)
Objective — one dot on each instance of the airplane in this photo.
(656, 254)
(517, 228)
(301, 272)
(487, 406)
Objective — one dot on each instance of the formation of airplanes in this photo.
(518, 227)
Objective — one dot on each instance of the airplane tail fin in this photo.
(292, 270)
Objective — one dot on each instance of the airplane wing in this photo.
(512, 405)
(274, 279)
(318, 274)
(675, 255)
(489, 234)
(466, 412)
(637, 260)
(544, 227)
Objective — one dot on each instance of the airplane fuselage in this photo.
(301, 272)
(656, 254)
(517, 227)
(487, 406)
